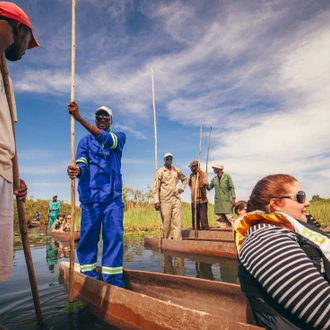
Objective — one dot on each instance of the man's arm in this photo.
(155, 191)
(184, 180)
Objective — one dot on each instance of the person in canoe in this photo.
(166, 196)
(224, 196)
(199, 192)
(58, 223)
(16, 37)
(284, 262)
(240, 211)
(98, 168)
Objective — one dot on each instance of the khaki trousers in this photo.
(225, 220)
(171, 213)
(6, 231)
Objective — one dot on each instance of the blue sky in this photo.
(258, 72)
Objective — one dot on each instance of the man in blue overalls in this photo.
(98, 167)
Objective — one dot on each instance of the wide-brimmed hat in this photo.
(194, 163)
(218, 166)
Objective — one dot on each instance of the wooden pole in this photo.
(197, 179)
(20, 204)
(73, 155)
(155, 120)
(156, 161)
(208, 150)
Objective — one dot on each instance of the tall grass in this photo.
(321, 211)
(143, 217)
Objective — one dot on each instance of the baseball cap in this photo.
(10, 10)
(104, 108)
(194, 163)
(168, 154)
(218, 166)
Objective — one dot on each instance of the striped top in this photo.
(273, 256)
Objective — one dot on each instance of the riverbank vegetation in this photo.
(140, 215)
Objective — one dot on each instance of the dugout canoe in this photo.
(216, 247)
(212, 234)
(64, 236)
(160, 301)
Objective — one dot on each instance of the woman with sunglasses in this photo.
(284, 267)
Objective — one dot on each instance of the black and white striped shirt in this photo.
(273, 256)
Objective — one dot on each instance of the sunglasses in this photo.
(300, 197)
(106, 118)
(168, 158)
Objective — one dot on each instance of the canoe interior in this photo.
(160, 301)
(224, 234)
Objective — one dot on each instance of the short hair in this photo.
(240, 205)
(269, 187)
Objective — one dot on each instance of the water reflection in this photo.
(16, 303)
(204, 270)
(174, 265)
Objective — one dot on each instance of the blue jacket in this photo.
(99, 159)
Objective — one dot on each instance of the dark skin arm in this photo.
(21, 192)
(73, 109)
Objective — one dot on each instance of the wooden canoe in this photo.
(212, 234)
(63, 236)
(161, 301)
(217, 248)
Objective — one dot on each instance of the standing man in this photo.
(15, 38)
(198, 196)
(98, 167)
(53, 210)
(166, 195)
(224, 196)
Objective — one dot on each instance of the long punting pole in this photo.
(73, 154)
(156, 159)
(155, 120)
(197, 179)
(20, 204)
(155, 135)
(208, 150)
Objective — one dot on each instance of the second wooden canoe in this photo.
(63, 236)
(217, 248)
(160, 301)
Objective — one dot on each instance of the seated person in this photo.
(66, 225)
(240, 210)
(56, 227)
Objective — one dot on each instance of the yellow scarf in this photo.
(281, 219)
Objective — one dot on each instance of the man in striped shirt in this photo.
(98, 167)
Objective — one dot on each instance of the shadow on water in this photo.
(16, 303)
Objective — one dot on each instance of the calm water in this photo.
(16, 303)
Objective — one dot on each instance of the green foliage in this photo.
(320, 209)
(31, 206)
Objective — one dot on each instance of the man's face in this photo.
(22, 39)
(193, 168)
(103, 120)
(168, 161)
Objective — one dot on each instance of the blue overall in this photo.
(100, 195)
